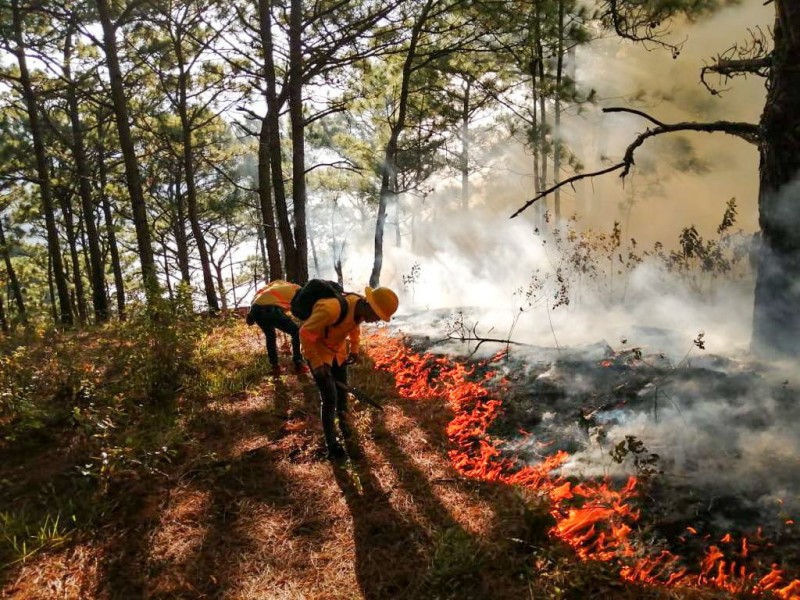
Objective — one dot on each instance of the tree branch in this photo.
(747, 131)
(569, 181)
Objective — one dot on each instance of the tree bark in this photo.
(132, 175)
(465, 110)
(298, 141)
(390, 154)
(105, 204)
(51, 286)
(542, 125)
(42, 168)
(221, 284)
(776, 318)
(167, 275)
(557, 112)
(273, 253)
(191, 189)
(65, 200)
(96, 271)
(16, 290)
(274, 136)
(179, 229)
(3, 320)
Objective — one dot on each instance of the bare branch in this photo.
(633, 111)
(344, 165)
(643, 23)
(569, 181)
(751, 57)
(229, 179)
(747, 131)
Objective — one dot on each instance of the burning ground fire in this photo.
(595, 519)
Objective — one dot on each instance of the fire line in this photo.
(592, 517)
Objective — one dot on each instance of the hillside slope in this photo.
(246, 506)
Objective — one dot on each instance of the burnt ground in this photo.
(705, 436)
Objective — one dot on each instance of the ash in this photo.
(713, 439)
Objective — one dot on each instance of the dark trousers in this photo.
(270, 318)
(334, 404)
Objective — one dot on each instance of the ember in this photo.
(596, 518)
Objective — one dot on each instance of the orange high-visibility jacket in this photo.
(322, 341)
(276, 293)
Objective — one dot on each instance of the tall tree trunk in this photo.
(298, 140)
(16, 290)
(542, 125)
(113, 248)
(167, 275)
(132, 175)
(314, 256)
(398, 238)
(557, 112)
(390, 154)
(776, 318)
(3, 320)
(191, 190)
(579, 186)
(538, 207)
(64, 198)
(42, 168)
(273, 253)
(380, 223)
(465, 109)
(221, 284)
(51, 287)
(233, 280)
(274, 136)
(261, 251)
(96, 272)
(179, 230)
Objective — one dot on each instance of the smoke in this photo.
(722, 425)
(679, 179)
(718, 427)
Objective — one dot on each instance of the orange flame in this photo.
(592, 517)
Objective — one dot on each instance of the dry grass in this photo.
(249, 509)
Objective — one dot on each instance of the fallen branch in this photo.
(470, 334)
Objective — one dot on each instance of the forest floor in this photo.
(223, 491)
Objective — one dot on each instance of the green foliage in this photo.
(20, 538)
(108, 400)
(17, 395)
(455, 563)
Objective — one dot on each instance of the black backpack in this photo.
(317, 289)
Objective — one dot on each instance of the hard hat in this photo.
(383, 301)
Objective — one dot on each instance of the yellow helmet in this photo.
(383, 301)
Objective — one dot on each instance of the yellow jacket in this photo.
(322, 341)
(276, 293)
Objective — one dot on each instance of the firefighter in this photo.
(271, 310)
(329, 348)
